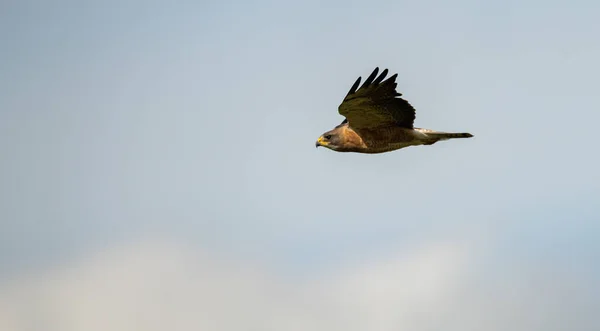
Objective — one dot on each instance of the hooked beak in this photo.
(320, 142)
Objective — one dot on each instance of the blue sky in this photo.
(196, 121)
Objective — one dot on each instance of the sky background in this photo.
(159, 170)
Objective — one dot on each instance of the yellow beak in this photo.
(320, 142)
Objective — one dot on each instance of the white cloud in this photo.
(164, 286)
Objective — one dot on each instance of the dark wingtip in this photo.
(392, 78)
(355, 86)
(381, 77)
(371, 77)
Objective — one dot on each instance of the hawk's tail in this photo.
(438, 135)
(448, 135)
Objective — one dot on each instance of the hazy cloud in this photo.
(160, 285)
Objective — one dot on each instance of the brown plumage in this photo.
(378, 120)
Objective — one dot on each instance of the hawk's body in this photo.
(378, 121)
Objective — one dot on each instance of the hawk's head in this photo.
(332, 139)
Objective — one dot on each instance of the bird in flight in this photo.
(377, 120)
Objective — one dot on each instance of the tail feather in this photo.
(449, 135)
(440, 135)
(435, 136)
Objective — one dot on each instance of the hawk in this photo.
(377, 120)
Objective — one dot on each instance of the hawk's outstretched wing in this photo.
(376, 104)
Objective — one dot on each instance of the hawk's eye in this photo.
(328, 136)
